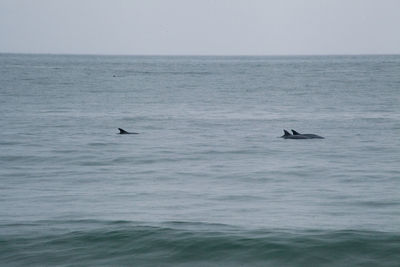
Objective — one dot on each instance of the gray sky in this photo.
(215, 27)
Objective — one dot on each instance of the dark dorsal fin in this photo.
(286, 133)
(122, 131)
(295, 133)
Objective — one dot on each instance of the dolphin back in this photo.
(314, 136)
(122, 131)
(286, 134)
(310, 136)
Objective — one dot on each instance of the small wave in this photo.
(223, 152)
(188, 244)
(10, 143)
(378, 204)
(167, 73)
(23, 158)
(94, 163)
(98, 144)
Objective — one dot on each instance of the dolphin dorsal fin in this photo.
(122, 131)
(295, 133)
(286, 133)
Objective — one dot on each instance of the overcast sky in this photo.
(213, 27)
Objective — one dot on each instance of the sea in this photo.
(207, 181)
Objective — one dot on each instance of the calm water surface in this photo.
(207, 182)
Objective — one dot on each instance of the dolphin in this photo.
(287, 135)
(310, 136)
(122, 131)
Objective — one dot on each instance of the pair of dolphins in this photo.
(287, 135)
(297, 135)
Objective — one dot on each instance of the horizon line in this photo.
(199, 55)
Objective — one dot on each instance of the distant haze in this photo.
(200, 27)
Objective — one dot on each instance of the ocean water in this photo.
(208, 181)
